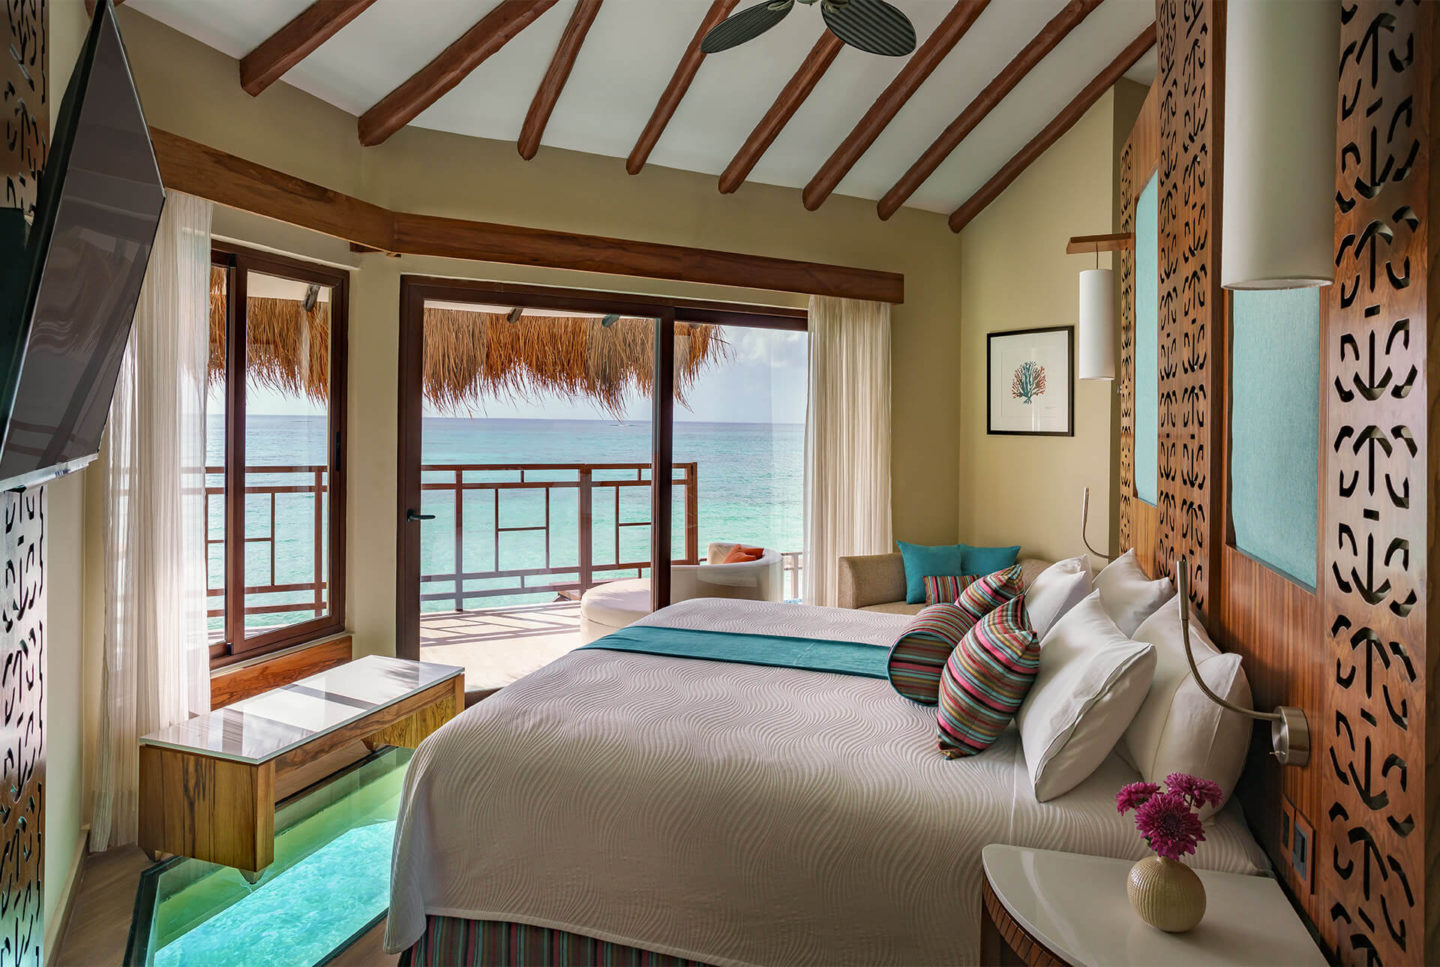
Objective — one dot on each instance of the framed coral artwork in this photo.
(1030, 386)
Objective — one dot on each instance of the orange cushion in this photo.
(740, 554)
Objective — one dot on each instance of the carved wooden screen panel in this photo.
(1188, 70)
(1138, 162)
(23, 101)
(1376, 491)
(1126, 373)
(24, 114)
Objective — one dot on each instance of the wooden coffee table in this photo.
(207, 786)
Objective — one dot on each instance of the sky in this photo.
(762, 381)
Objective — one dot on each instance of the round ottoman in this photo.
(611, 606)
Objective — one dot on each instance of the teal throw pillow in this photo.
(983, 560)
(922, 561)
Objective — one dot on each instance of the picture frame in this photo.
(1030, 382)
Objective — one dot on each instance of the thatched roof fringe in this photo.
(287, 349)
(473, 355)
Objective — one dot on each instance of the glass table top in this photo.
(261, 728)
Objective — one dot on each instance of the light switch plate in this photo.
(1302, 851)
(1297, 844)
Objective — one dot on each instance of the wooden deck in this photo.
(498, 645)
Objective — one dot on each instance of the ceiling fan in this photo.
(873, 26)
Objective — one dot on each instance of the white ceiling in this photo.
(632, 50)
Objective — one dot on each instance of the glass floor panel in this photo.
(329, 884)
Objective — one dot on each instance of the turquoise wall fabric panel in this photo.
(1275, 427)
(1147, 342)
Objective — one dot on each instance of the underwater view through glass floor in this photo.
(330, 882)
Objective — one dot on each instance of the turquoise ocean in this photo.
(750, 490)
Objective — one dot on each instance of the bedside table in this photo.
(1044, 908)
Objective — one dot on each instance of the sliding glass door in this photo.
(740, 436)
(539, 433)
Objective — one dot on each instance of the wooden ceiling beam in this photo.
(919, 67)
(1053, 131)
(811, 69)
(437, 78)
(225, 179)
(1034, 52)
(675, 91)
(295, 41)
(555, 77)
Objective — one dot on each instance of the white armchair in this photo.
(613, 605)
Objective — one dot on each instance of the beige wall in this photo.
(1014, 274)
(192, 90)
(66, 802)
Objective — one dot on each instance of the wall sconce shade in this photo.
(1281, 58)
(1097, 325)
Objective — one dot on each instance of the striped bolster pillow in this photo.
(985, 680)
(946, 588)
(985, 594)
(919, 654)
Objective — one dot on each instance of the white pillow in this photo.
(1129, 596)
(1055, 591)
(1178, 728)
(1092, 680)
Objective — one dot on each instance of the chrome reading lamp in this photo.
(1289, 729)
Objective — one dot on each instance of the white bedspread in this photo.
(731, 813)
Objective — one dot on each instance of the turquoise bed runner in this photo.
(781, 651)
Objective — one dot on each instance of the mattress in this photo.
(733, 813)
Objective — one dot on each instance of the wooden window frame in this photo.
(238, 262)
(416, 290)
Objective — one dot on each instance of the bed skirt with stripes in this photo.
(453, 942)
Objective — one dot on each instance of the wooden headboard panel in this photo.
(1356, 653)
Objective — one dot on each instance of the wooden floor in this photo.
(104, 901)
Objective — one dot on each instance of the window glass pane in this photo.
(287, 452)
(215, 455)
(1275, 428)
(740, 429)
(1147, 342)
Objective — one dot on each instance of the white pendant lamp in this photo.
(1096, 358)
(1281, 61)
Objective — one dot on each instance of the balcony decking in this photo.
(500, 644)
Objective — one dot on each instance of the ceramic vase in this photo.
(1167, 894)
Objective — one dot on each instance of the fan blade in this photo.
(873, 26)
(745, 25)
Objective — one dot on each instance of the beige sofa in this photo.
(876, 582)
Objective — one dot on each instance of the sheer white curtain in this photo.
(156, 667)
(847, 439)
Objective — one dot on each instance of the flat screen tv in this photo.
(66, 325)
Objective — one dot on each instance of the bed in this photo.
(724, 813)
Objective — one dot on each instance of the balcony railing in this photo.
(589, 482)
(574, 498)
(314, 482)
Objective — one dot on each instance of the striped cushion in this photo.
(986, 679)
(946, 588)
(985, 594)
(919, 654)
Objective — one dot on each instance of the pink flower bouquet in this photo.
(1168, 819)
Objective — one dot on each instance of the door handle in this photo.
(411, 515)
